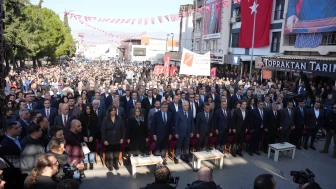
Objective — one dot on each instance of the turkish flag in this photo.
(263, 10)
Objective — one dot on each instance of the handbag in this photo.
(85, 149)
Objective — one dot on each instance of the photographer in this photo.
(264, 181)
(162, 178)
(204, 180)
(42, 176)
(56, 146)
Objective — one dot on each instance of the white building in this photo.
(101, 51)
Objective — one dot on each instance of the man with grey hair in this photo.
(24, 121)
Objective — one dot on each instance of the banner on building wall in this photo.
(195, 64)
(267, 74)
(213, 73)
(212, 19)
(310, 16)
(172, 71)
(315, 67)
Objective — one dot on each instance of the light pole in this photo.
(172, 41)
(253, 33)
(167, 43)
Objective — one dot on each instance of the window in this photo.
(197, 45)
(279, 9)
(275, 46)
(198, 24)
(205, 45)
(213, 45)
(235, 40)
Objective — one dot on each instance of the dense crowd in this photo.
(60, 119)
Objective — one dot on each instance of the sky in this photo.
(119, 9)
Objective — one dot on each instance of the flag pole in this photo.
(253, 33)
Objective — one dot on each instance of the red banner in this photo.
(158, 70)
(167, 58)
(213, 73)
(173, 69)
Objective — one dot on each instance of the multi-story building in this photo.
(186, 27)
(147, 49)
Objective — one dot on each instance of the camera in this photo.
(174, 180)
(302, 177)
(68, 171)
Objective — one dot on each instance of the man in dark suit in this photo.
(156, 95)
(120, 90)
(222, 120)
(174, 106)
(31, 105)
(300, 118)
(125, 99)
(101, 113)
(215, 97)
(184, 129)
(230, 99)
(258, 125)
(48, 112)
(64, 119)
(107, 98)
(204, 127)
(161, 125)
(287, 122)
(131, 103)
(148, 103)
(138, 105)
(239, 127)
(273, 123)
(24, 122)
(10, 145)
(237, 97)
(315, 120)
(193, 106)
(101, 100)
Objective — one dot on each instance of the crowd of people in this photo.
(66, 116)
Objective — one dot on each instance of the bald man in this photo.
(73, 145)
(204, 179)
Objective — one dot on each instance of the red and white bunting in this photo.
(160, 19)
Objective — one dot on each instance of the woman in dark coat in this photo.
(89, 122)
(137, 133)
(112, 134)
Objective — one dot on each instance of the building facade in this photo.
(147, 49)
(186, 27)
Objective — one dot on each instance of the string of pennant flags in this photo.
(146, 21)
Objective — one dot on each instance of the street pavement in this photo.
(237, 173)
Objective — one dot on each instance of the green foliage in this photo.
(35, 32)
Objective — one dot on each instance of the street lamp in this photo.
(172, 41)
(167, 43)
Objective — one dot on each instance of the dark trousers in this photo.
(255, 140)
(284, 134)
(331, 133)
(182, 143)
(270, 138)
(203, 142)
(222, 139)
(296, 136)
(160, 147)
(112, 155)
(312, 132)
(238, 141)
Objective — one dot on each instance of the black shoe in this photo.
(305, 147)
(116, 167)
(298, 147)
(110, 168)
(312, 147)
(164, 162)
(234, 154)
(176, 161)
(240, 154)
(82, 176)
(85, 166)
(186, 160)
(257, 153)
(250, 153)
(91, 166)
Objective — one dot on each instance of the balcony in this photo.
(329, 39)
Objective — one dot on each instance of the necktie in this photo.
(192, 106)
(134, 103)
(301, 109)
(29, 106)
(238, 97)
(261, 114)
(207, 117)
(47, 114)
(120, 92)
(96, 110)
(18, 143)
(289, 112)
(185, 114)
(165, 117)
(275, 113)
(224, 111)
(65, 121)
